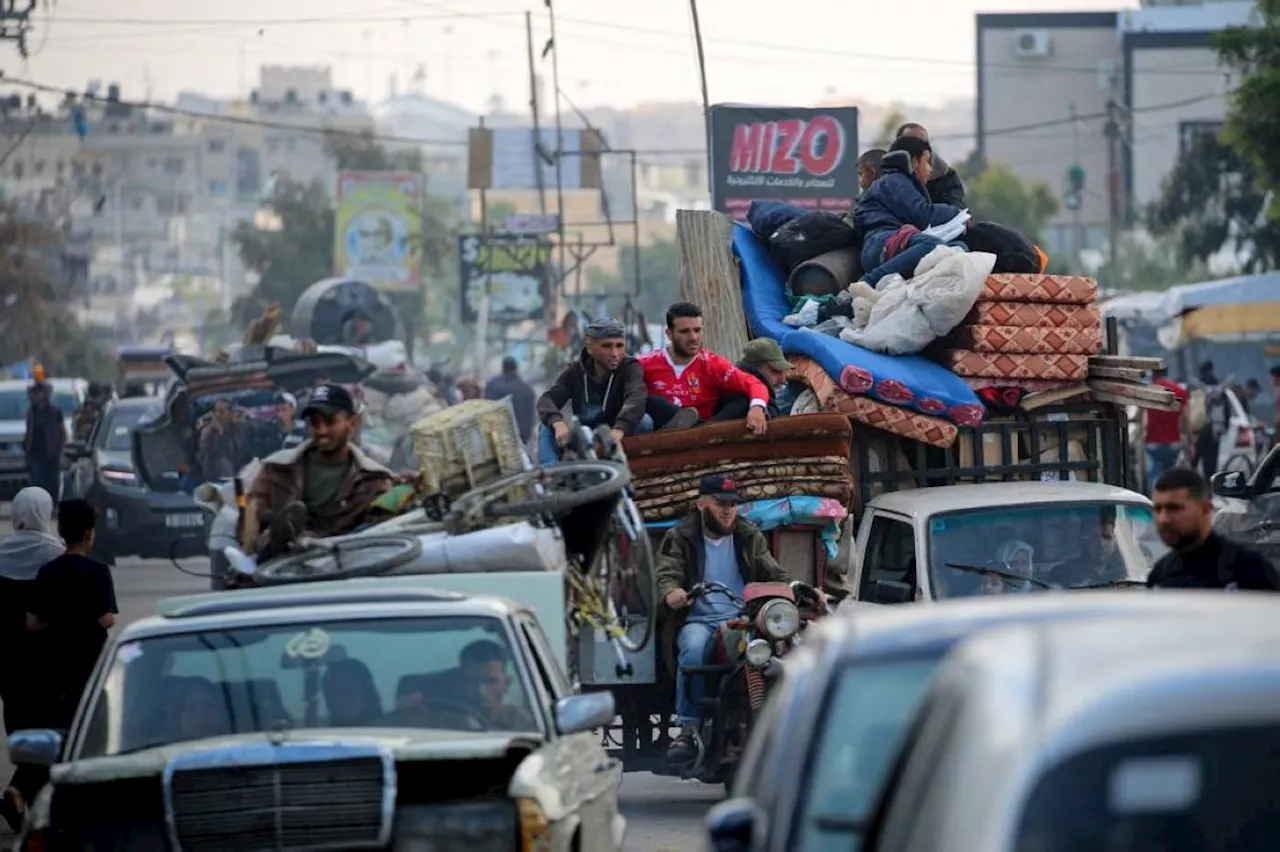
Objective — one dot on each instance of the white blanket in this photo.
(904, 315)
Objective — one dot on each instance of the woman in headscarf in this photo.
(33, 544)
(1016, 557)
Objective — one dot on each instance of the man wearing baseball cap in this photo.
(763, 359)
(711, 544)
(603, 387)
(326, 484)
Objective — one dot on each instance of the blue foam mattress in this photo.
(907, 381)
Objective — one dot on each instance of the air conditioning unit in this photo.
(1032, 44)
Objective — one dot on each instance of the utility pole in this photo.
(1115, 189)
(555, 85)
(533, 109)
(15, 22)
(1075, 189)
(702, 77)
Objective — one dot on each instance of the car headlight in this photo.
(119, 477)
(778, 619)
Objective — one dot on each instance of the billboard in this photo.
(378, 229)
(514, 269)
(512, 158)
(806, 157)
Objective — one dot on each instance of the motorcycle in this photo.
(745, 654)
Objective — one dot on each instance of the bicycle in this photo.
(613, 590)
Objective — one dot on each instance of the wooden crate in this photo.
(467, 445)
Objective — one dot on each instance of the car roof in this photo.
(143, 402)
(871, 631)
(59, 383)
(1130, 677)
(924, 502)
(309, 602)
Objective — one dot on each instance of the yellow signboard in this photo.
(378, 229)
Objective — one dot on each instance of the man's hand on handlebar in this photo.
(561, 430)
(678, 599)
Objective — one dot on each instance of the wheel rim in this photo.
(352, 557)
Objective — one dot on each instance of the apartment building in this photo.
(1047, 82)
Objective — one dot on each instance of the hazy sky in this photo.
(618, 52)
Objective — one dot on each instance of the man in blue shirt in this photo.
(710, 545)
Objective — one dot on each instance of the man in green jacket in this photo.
(710, 545)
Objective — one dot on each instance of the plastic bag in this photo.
(811, 235)
(907, 315)
(1014, 252)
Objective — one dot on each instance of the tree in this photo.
(1253, 122)
(995, 193)
(1213, 202)
(1144, 262)
(292, 248)
(36, 320)
(889, 128)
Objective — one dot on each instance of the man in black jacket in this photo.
(945, 186)
(508, 383)
(1201, 558)
(604, 387)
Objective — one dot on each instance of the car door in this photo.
(1264, 509)
(83, 472)
(577, 765)
(888, 557)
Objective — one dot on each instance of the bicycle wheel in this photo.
(566, 486)
(630, 581)
(361, 556)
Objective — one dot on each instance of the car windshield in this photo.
(1038, 547)
(116, 432)
(441, 672)
(1212, 789)
(868, 713)
(14, 403)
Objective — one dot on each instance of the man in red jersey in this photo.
(1165, 432)
(688, 384)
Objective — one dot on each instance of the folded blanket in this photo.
(1044, 341)
(966, 362)
(1035, 287)
(1034, 315)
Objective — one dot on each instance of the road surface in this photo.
(663, 814)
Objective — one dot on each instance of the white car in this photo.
(343, 715)
(1141, 733)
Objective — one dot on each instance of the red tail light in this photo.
(1244, 438)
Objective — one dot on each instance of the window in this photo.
(18, 169)
(217, 146)
(1207, 790)
(868, 712)
(38, 168)
(116, 433)
(173, 165)
(14, 403)
(549, 671)
(891, 557)
(1071, 545)
(384, 673)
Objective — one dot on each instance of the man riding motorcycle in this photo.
(710, 545)
(326, 485)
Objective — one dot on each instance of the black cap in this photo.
(719, 487)
(510, 365)
(330, 399)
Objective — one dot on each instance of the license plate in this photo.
(184, 521)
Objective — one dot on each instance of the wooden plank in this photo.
(1170, 404)
(1098, 371)
(1132, 394)
(709, 278)
(1039, 399)
(1133, 363)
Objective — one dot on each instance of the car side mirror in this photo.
(76, 450)
(1230, 483)
(890, 592)
(37, 747)
(732, 823)
(578, 713)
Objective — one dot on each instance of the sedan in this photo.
(820, 755)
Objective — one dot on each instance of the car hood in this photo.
(405, 744)
(115, 459)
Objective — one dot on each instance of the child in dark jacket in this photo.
(897, 199)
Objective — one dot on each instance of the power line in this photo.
(268, 22)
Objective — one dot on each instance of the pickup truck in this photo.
(1019, 504)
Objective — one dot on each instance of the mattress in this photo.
(907, 381)
(1033, 315)
(1037, 287)
(1028, 385)
(1043, 341)
(994, 365)
(899, 421)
